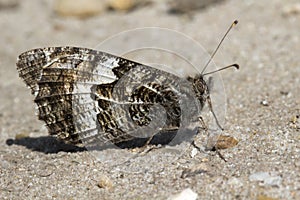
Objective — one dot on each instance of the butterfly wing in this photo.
(61, 78)
(87, 95)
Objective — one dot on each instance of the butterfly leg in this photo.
(205, 128)
(145, 148)
(212, 111)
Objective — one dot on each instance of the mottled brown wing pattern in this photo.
(126, 103)
(84, 95)
(60, 78)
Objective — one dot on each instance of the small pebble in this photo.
(263, 197)
(186, 194)
(225, 142)
(79, 8)
(123, 5)
(266, 179)
(235, 182)
(294, 119)
(105, 183)
(127, 5)
(187, 6)
(285, 93)
(9, 4)
(293, 9)
(264, 103)
(21, 136)
(194, 152)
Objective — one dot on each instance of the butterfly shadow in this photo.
(45, 144)
(51, 145)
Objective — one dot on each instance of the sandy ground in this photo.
(263, 100)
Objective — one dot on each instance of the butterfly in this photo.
(93, 97)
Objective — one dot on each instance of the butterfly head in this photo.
(200, 87)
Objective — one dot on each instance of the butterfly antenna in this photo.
(229, 66)
(215, 51)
